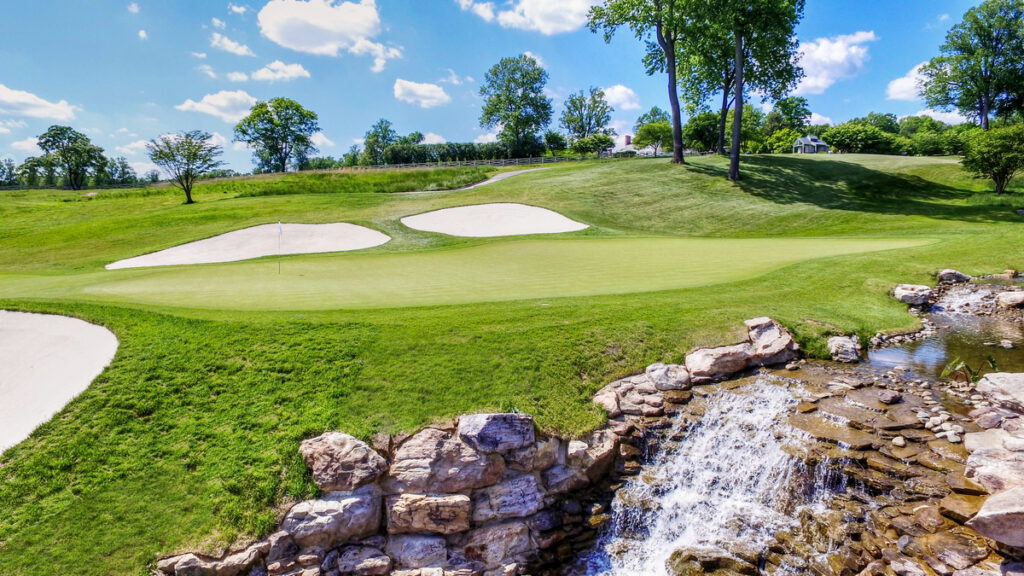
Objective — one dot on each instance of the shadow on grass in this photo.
(842, 185)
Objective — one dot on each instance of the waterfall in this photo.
(729, 481)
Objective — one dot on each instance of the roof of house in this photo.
(810, 139)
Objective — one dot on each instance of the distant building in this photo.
(809, 144)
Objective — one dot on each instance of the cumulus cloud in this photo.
(432, 138)
(278, 71)
(217, 139)
(199, 55)
(488, 138)
(134, 148)
(237, 76)
(29, 146)
(222, 42)
(818, 119)
(142, 168)
(542, 16)
(218, 23)
(7, 125)
(327, 28)
(954, 117)
(207, 69)
(21, 103)
(484, 10)
(455, 79)
(133, 7)
(321, 141)
(421, 94)
(236, 9)
(906, 88)
(143, 35)
(226, 105)
(828, 60)
(535, 56)
(621, 97)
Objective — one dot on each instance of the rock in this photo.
(770, 343)
(436, 461)
(1010, 300)
(547, 453)
(497, 433)
(1001, 518)
(340, 462)
(1006, 344)
(912, 294)
(902, 565)
(886, 396)
(950, 276)
(698, 560)
(608, 399)
(447, 514)
(496, 544)
(707, 364)
(241, 562)
(596, 455)
(844, 349)
(1004, 389)
(994, 468)
(415, 551)
(668, 376)
(899, 441)
(560, 479)
(192, 565)
(515, 497)
(824, 429)
(362, 561)
(281, 545)
(335, 518)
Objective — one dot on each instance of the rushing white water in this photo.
(729, 482)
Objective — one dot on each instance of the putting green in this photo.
(507, 270)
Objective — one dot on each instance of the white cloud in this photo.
(906, 88)
(7, 125)
(818, 119)
(241, 147)
(621, 97)
(228, 106)
(432, 138)
(217, 139)
(143, 168)
(621, 128)
(133, 149)
(133, 7)
(219, 41)
(199, 55)
(143, 35)
(218, 23)
(453, 78)
(21, 103)
(207, 69)
(827, 60)
(236, 9)
(954, 117)
(237, 76)
(327, 28)
(321, 141)
(29, 145)
(486, 138)
(542, 16)
(943, 17)
(540, 61)
(279, 71)
(422, 95)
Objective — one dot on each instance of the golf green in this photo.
(507, 270)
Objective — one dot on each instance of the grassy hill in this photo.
(189, 439)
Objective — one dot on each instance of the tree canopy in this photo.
(73, 152)
(654, 135)
(513, 91)
(185, 157)
(278, 131)
(586, 114)
(997, 154)
(653, 115)
(377, 139)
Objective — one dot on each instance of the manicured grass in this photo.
(190, 438)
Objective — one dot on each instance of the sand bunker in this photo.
(45, 361)
(260, 241)
(489, 220)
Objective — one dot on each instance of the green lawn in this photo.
(190, 438)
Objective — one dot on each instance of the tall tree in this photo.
(275, 130)
(185, 157)
(73, 152)
(555, 142)
(886, 122)
(652, 116)
(514, 99)
(705, 66)
(377, 139)
(981, 67)
(795, 112)
(586, 114)
(654, 135)
(665, 21)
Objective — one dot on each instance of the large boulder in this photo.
(913, 294)
(496, 545)
(340, 462)
(595, 456)
(1001, 518)
(1010, 300)
(770, 342)
(415, 551)
(515, 497)
(707, 364)
(666, 377)
(950, 276)
(991, 464)
(436, 461)
(1004, 389)
(335, 518)
(447, 514)
(497, 433)
(844, 349)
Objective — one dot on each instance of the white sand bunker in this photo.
(262, 241)
(489, 220)
(45, 361)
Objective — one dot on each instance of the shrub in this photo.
(997, 154)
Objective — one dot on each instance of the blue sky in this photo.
(125, 72)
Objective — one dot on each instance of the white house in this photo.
(809, 144)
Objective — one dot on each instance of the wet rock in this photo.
(823, 429)
(340, 462)
(770, 343)
(421, 513)
(708, 364)
(696, 561)
(496, 544)
(1010, 300)
(1004, 389)
(915, 295)
(964, 485)
(435, 461)
(497, 433)
(362, 561)
(417, 551)
(594, 456)
(902, 565)
(335, 518)
(844, 349)
(668, 376)
(950, 276)
(1001, 518)
(515, 497)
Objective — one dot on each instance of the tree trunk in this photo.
(668, 46)
(984, 112)
(737, 117)
(1000, 184)
(188, 196)
(722, 117)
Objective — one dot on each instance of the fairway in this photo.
(511, 270)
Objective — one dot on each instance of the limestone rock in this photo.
(1001, 518)
(241, 562)
(192, 565)
(496, 433)
(995, 469)
(362, 561)
(696, 560)
(608, 399)
(844, 349)
(415, 551)
(547, 453)
(497, 544)
(335, 518)
(515, 497)
(560, 479)
(707, 364)
(340, 462)
(436, 461)
(770, 343)
(1004, 389)
(447, 514)
(912, 294)
(668, 376)
(1010, 300)
(950, 276)
(594, 456)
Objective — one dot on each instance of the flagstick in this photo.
(280, 232)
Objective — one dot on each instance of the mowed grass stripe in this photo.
(510, 270)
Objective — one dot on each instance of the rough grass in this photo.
(190, 438)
